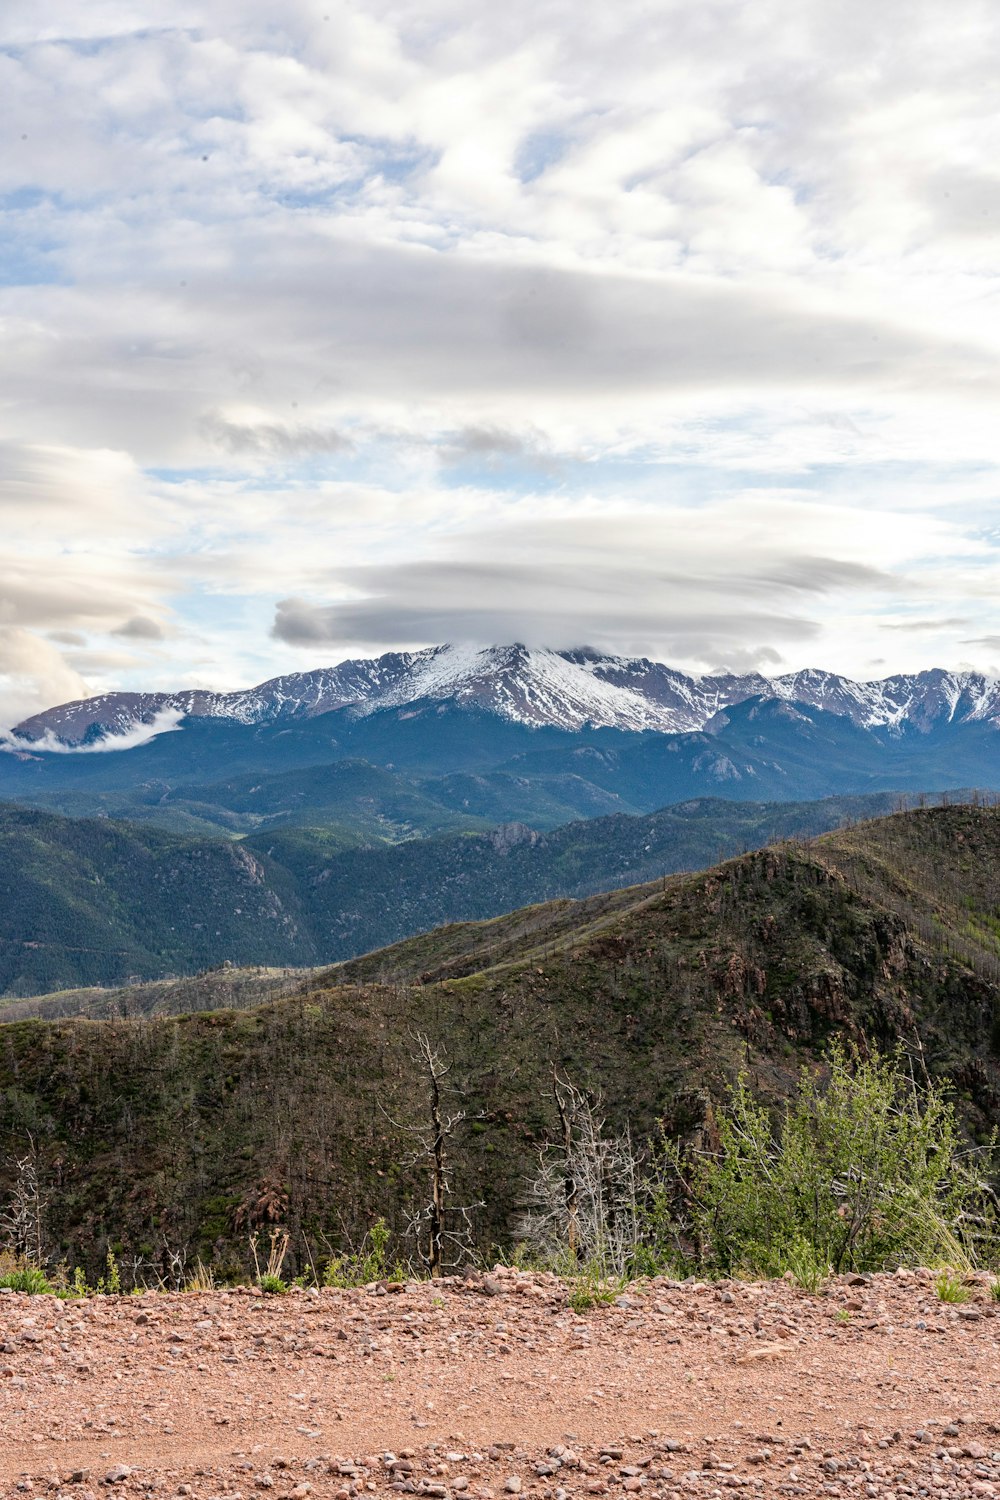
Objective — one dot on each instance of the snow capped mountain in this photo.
(569, 689)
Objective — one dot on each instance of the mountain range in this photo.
(568, 690)
(455, 739)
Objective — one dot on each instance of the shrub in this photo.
(202, 1280)
(270, 1279)
(370, 1263)
(26, 1279)
(590, 1287)
(865, 1171)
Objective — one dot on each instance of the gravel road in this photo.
(494, 1387)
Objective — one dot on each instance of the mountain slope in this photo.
(436, 760)
(566, 689)
(93, 902)
(96, 901)
(193, 1131)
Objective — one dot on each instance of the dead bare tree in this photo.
(565, 1097)
(22, 1222)
(583, 1204)
(442, 1230)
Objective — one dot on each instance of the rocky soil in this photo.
(496, 1387)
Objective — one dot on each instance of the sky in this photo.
(328, 329)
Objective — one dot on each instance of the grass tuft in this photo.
(950, 1287)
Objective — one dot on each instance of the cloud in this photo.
(167, 721)
(139, 628)
(354, 325)
(954, 622)
(494, 449)
(33, 676)
(388, 309)
(271, 440)
(639, 581)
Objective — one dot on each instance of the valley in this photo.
(97, 901)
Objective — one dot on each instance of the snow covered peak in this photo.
(531, 685)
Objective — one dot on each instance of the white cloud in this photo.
(313, 305)
(33, 676)
(167, 721)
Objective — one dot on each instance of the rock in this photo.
(763, 1352)
(116, 1475)
(512, 1485)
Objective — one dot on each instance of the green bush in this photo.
(591, 1286)
(271, 1283)
(370, 1263)
(26, 1279)
(865, 1171)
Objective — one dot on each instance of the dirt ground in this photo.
(496, 1387)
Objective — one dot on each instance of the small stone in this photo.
(116, 1475)
(512, 1485)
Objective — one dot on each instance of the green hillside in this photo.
(102, 902)
(190, 1131)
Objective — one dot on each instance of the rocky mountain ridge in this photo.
(533, 686)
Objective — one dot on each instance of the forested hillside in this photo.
(86, 902)
(190, 1131)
